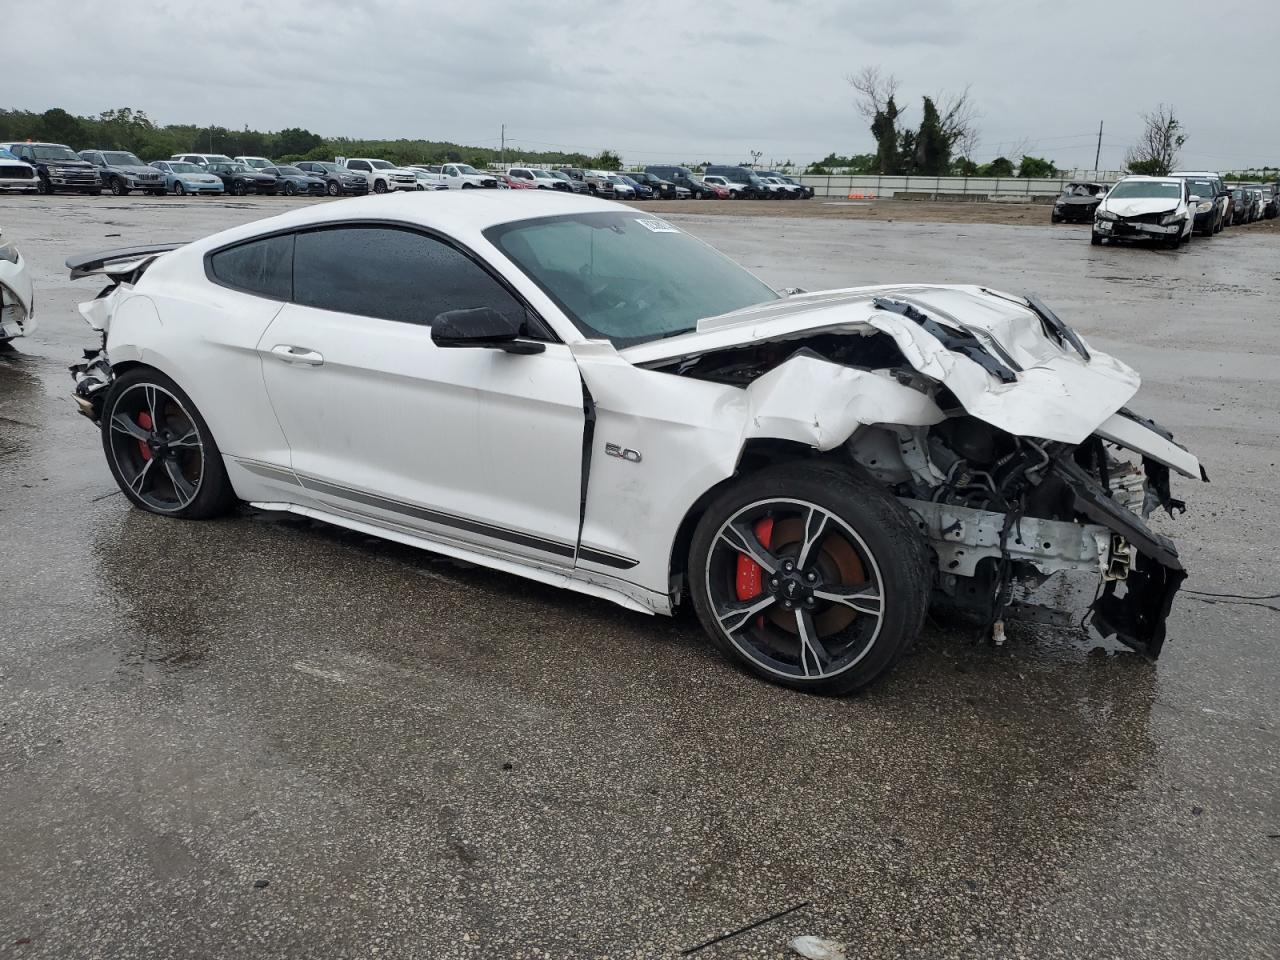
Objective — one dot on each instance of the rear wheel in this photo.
(160, 450)
(810, 576)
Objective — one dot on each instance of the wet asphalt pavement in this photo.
(424, 760)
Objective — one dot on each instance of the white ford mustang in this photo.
(583, 394)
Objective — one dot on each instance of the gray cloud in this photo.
(685, 82)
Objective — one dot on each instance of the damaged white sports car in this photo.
(17, 299)
(579, 393)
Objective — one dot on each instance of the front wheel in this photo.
(380, 186)
(239, 190)
(179, 190)
(43, 187)
(811, 576)
(333, 189)
(160, 450)
(290, 189)
(117, 188)
(1095, 238)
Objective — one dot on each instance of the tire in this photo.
(118, 189)
(1054, 218)
(735, 195)
(43, 187)
(1095, 238)
(178, 189)
(238, 189)
(289, 189)
(147, 421)
(379, 186)
(333, 190)
(860, 590)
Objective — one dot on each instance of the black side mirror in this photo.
(481, 327)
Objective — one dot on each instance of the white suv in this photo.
(383, 176)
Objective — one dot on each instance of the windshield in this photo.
(6, 155)
(465, 168)
(1146, 190)
(543, 175)
(122, 159)
(217, 158)
(289, 172)
(258, 163)
(1204, 189)
(177, 166)
(626, 278)
(381, 165)
(53, 153)
(237, 167)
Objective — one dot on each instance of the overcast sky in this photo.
(673, 80)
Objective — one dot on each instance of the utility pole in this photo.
(504, 145)
(1098, 156)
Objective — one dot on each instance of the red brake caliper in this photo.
(144, 421)
(749, 572)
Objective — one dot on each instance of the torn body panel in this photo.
(994, 423)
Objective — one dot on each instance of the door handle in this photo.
(291, 354)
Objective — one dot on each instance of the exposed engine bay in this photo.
(1000, 510)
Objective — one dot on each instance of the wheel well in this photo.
(756, 455)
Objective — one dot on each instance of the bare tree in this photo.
(959, 117)
(1156, 152)
(875, 90)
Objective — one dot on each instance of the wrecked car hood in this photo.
(1140, 206)
(1045, 387)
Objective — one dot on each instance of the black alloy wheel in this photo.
(160, 450)
(811, 576)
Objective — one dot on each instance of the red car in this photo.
(717, 191)
(515, 183)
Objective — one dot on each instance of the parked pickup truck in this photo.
(58, 169)
(16, 174)
(463, 176)
(383, 176)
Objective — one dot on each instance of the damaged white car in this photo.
(17, 300)
(575, 392)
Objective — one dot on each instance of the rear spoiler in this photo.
(118, 264)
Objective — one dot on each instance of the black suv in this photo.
(681, 177)
(337, 180)
(122, 172)
(662, 189)
(755, 187)
(57, 167)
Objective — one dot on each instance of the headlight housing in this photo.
(1107, 215)
(1171, 218)
(8, 251)
(1205, 206)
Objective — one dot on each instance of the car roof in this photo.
(1145, 179)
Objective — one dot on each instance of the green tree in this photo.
(932, 148)
(1037, 168)
(58, 126)
(607, 160)
(1156, 152)
(999, 167)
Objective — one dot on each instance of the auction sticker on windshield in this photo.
(657, 226)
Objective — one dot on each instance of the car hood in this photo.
(133, 169)
(1141, 206)
(1055, 392)
(65, 163)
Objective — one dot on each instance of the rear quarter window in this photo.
(263, 268)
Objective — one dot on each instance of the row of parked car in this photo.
(1166, 209)
(56, 168)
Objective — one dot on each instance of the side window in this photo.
(360, 165)
(450, 172)
(392, 274)
(261, 267)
